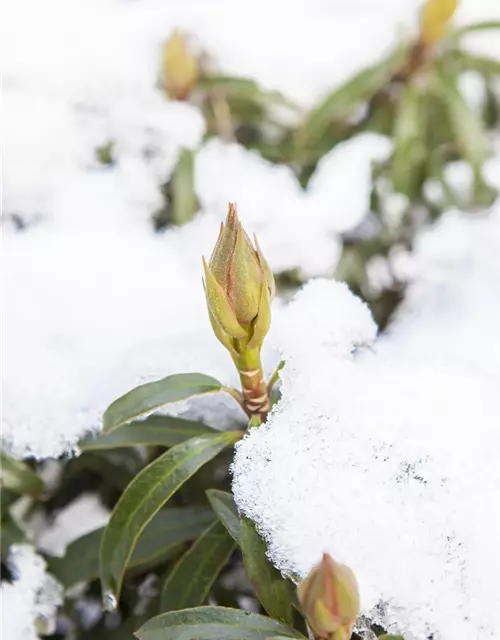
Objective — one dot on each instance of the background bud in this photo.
(180, 71)
(434, 19)
(330, 599)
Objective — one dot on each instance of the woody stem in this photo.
(256, 401)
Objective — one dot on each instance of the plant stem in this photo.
(256, 401)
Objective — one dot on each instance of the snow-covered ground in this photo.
(386, 453)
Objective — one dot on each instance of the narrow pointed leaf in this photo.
(341, 103)
(189, 582)
(163, 536)
(465, 61)
(465, 123)
(409, 148)
(7, 499)
(184, 201)
(477, 26)
(143, 498)
(225, 508)
(213, 623)
(164, 431)
(11, 534)
(150, 396)
(16, 476)
(243, 91)
(272, 589)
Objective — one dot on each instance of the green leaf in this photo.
(189, 582)
(465, 123)
(163, 431)
(16, 476)
(340, 105)
(184, 201)
(223, 505)
(477, 26)
(161, 539)
(465, 61)
(152, 395)
(272, 589)
(144, 496)
(7, 499)
(409, 149)
(213, 623)
(390, 637)
(244, 89)
(11, 534)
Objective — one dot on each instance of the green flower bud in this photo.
(239, 286)
(330, 599)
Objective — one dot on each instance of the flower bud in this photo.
(434, 19)
(330, 599)
(239, 286)
(180, 70)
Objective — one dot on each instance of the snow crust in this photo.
(388, 455)
(29, 604)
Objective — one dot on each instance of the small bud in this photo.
(180, 70)
(330, 599)
(238, 285)
(434, 19)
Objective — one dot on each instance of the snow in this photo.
(451, 312)
(94, 302)
(29, 604)
(386, 453)
(89, 316)
(396, 438)
(85, 514)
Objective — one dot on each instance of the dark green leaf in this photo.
(7, 499)
(272, 589)
(152, 395)
(244, 89)
(184, 202)
(18, 477)
(11, 534)
(466, 124)
(144, 496)
(162, 537)
(223, 505)
(189, 582)
(164, 431)
(340, 105)
(390, 637)
(213, 623)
